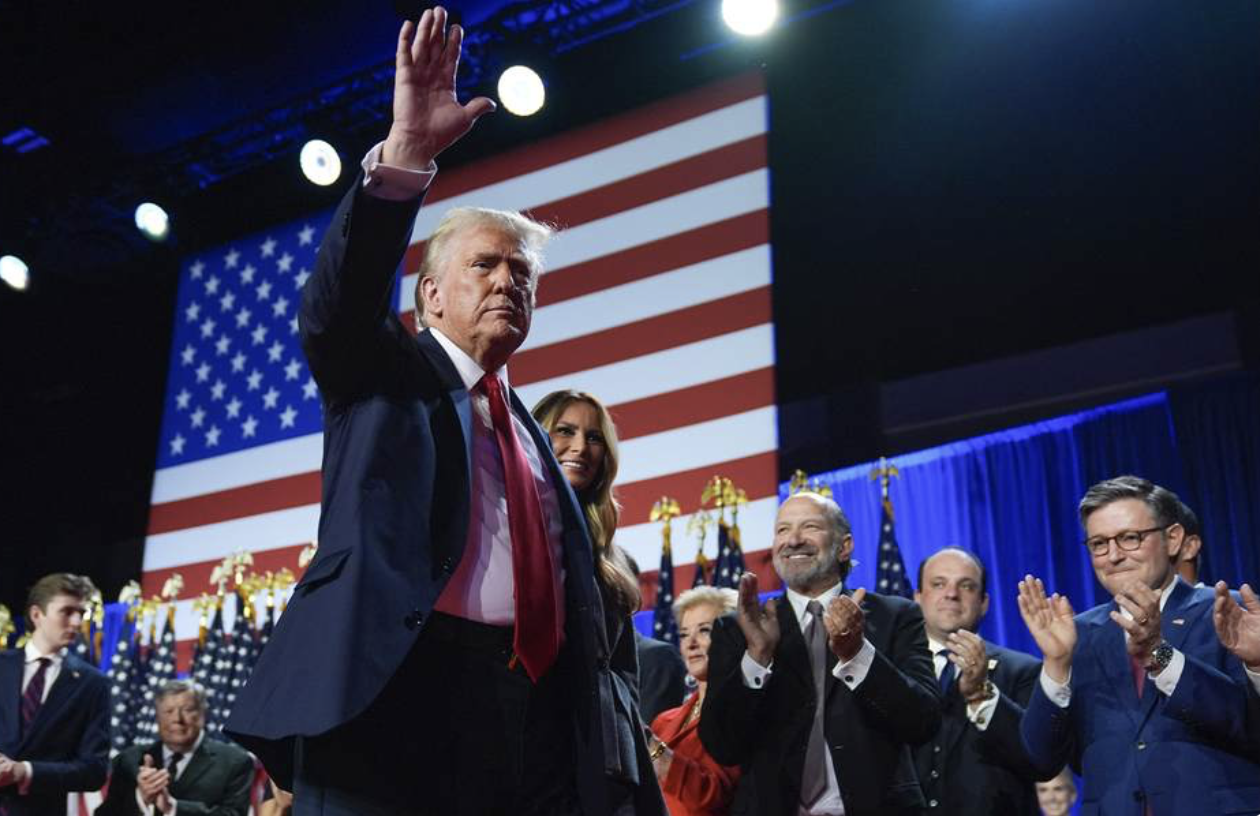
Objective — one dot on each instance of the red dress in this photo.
(695, 785)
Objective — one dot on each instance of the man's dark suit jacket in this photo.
(216, 782)
(1194, 752)
(395, 512)
(662, 676)
(869, 730)
(967, 771)
(68, 743)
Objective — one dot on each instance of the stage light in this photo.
(152, 221)
(320, 162)
(750, 17)
(13, 271)
(521, 91)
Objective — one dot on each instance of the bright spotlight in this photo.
(320, 162)
(521, 91)
(152, 221)
(13, 271)
(750, 17)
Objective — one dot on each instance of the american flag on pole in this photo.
(656, 299)
(890, 573)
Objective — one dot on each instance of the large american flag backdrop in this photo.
(657, 299)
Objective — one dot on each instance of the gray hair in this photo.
(1164, 505)
(724, 598)
(173, 687)
(532, 235)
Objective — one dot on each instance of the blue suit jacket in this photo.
(394, 520)
(67, 744)
(1193, 752)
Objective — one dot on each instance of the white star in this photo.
(248, 426)
(254, 380)
(212, 284)
(287, 417)
(269, 399)
(242, 317)
(216, 390)
(280, 307)
(275, 351)
(293, 325)
(181, 399)
(234, 408)
(238, 363)
(221, 345)
(247, 274)
(306, 235)
(198, 417)
(231, 259)
(177, 445)
(186, 356)
(207, 327)
(225, 302)
(196, 269)
(300, 279)
(285, 261)
(192, 312)
(264, 290)
(269, 247)
(203, 372)
(212, 436)
(310, 389)
(292, 370)
(259, 334)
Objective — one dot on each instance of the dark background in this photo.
(982, 212)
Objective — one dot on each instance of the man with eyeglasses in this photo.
(1138, 694)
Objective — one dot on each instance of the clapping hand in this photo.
(1238, 627)
(151, 781)
(1050, 621)
(845, 624)
(760, 626)
(1143, 627)
(966, 652)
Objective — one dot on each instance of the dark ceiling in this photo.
(952, 181)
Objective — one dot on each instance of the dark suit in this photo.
(395, 516)
(216, 781)
(966, 771)
(869, 730)
(68, 742)
(1193, 752)
(662, 676)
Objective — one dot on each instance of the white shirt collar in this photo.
(168, 752)
(469, 371)
(799, 601)
(33, 654)
(935, 646)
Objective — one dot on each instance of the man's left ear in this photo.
(1176, 537)
(984, 605)
(845, 550)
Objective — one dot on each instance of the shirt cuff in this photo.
(26, 782)
(1254, 677)
(1059, 693)
(982, 714)
(1167, 679)
(853, 671)
(755, 675)
(394, 183)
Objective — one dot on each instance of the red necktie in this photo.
(33, 697)
(1139, 674)
(537, 637)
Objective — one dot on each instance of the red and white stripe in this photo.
(657, 299)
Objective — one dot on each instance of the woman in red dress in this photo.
(693, 783)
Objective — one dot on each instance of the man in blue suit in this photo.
(54, 731)
(444, 653)
(1138, 694)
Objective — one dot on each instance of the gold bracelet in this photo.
(656, 752)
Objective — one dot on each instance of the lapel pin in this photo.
(1179, 621)
(992, 663)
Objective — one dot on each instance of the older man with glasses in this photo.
(1138, 694)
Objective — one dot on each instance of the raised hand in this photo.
(1144, 631)
(428, 117)
(760, 626)
(845, 624)
(1050, 621)
(966, 652)
(1238, 627)
(151, 780)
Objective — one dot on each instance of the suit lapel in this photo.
(201, 762)
(453, 385)
(794, 653)
(63, 689)
(1113, 661)
(1181, 606)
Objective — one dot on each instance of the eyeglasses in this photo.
(1127, 540)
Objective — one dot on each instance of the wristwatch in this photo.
(1160, 657)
